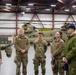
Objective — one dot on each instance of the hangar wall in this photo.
(8, 21)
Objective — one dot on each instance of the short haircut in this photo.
(40, 33)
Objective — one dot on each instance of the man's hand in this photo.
(53, 58)
(1, 61)
(64, 60)
(23, 51)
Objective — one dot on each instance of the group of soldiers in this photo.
(61, 52)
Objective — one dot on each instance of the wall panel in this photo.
(8, 23)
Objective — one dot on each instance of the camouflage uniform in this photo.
(21, 42)
(40, 48)
(70, 54)
(57, 63)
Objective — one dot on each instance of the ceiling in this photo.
(39, 6)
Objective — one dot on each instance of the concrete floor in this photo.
(9, 68)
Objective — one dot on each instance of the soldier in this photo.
(56, 50)
(21, 44)
(40, 47)
(69, 50)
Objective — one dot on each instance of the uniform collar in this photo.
(20, 36)
(57, 40)
(71, 36)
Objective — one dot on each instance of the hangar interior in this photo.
(40, 14)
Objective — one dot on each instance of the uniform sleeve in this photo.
(64, 50)
(27, 45)
(59, 50)
(16, 45)
(0, 55)
(51, 47)
(34, 46)
(45, 45)
(72, 53)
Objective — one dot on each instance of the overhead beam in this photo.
(73, 19)
(73, 1)
(40, 21)
(59, 9)
(16, 22)
(18, 5)
(62, 2)
(32, 18)
(52, 18)
(8, 28)
(4, 2)
(67, 19)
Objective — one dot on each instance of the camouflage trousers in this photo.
(57, 66)
(72, 68)
(37, 62)
(21, 60)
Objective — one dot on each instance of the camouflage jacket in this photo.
(69, 50)
(56, 48)
(0, 55)
(21, 42)
(40, 48)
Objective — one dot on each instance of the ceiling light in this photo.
(23, 13)
(67, 10)
(47, 9)
(53, 5)
(28, 8)
(30, 4)
(60, 1)
(74, 6)
(8, 4)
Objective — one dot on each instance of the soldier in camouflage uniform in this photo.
(21, 44)
(40, 47)
(56, 50)
(69, 50)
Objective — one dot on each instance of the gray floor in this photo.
(9, 68)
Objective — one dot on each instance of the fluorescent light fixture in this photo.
(53, 5)
(23, 13)
(47, 9)
(30, 4)
(60, 1)
(8, 4)
(67, 10)
(74, 6)
(28, 8)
